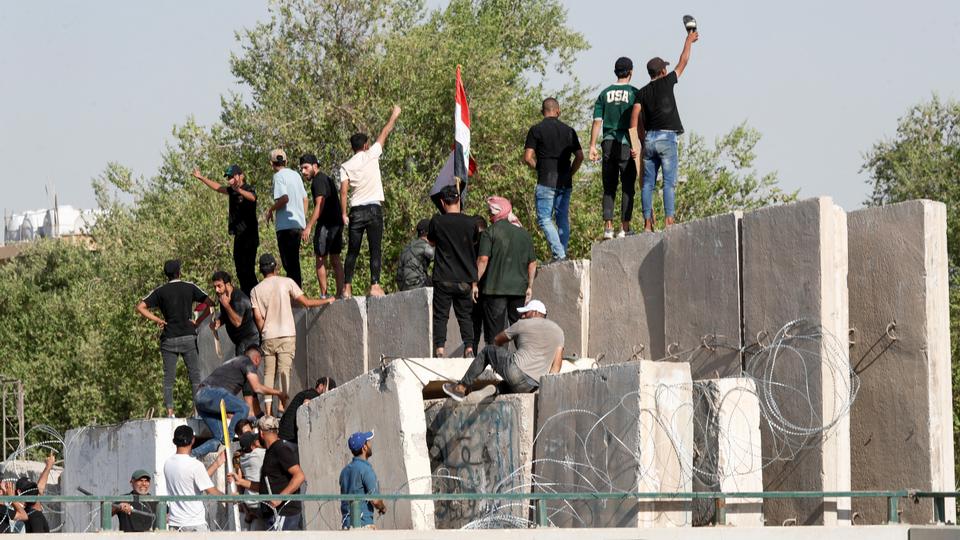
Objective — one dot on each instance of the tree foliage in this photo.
(313, 74)
(922, 161)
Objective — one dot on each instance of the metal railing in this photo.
(539, 500)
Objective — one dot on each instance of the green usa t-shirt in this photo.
(613, 107)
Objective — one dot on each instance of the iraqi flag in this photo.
(461, 123)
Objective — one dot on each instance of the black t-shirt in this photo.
(138, 522)
(658, 106)
(243, 213)
(231, 374)
(36, 522)
(175, 301)
(455, 238)
(288, 422)
(6, 518)
(247, 330)
(323, 186)
(554, 143)
(274, 473)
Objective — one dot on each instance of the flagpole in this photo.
(232, 489)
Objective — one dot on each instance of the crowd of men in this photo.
(482, 268)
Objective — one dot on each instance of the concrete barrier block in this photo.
(207, 348)
(728, 456)
(336, 338)
(795, 269)
(626, 299)
(620, 427)
(400, 325)
(100, 459)
(564, 287)
(901, 423)
(389, 403)
(484, 447)
(702, 294)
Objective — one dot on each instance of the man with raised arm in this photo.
(241, 222)
(656, 113)
(611, 117)
(361, 174)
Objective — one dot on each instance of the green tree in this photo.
(313, 74)
(922, 161)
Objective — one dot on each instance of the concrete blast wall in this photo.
(400, 325)
(337, 340)
(899, 318)
(728, 456)
(564, 287)
(626, 299)
(484, 447)
(702, 294)
(620, 427)
(101, 459)
(795, 267)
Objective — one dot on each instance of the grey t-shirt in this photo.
(537, 341)
(231, 374)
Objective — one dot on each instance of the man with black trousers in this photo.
(175, 300)
(289, 203)
(454, 237)
(241, 222)
(328, 240)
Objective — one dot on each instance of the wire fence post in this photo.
(543, 519)
(893, 510)
(720, 505)
(162, 516)
(106, 516)
(939, 509)
(356, 520)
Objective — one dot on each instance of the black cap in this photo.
(171, 268)
(246, 441)
(267, 263)
(422, 226)
(232, 171)
(449, 194)
(656, 65)
(622, 66)
(183, 436)
(25, 486)
(309, 158)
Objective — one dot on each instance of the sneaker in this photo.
(607, 234)
(622, 234)
(450, 389)
(556, 260)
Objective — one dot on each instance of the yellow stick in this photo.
(232, 489)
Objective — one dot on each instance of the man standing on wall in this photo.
(290, 202)
(506, 265)
(656, 113)
(273, 313)
(413, 270)
(611, 115)
(549, 147)
(175, 301)
(328, 240)
(241, 222)
(454, 236)
(362, 173)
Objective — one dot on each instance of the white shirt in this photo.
(363, 173)
(250, 464)
(186, 475)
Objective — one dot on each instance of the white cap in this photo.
(533, 305)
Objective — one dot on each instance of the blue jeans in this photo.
(207, 401)
(554, 204)
(660, 153)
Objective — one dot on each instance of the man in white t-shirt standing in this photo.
(186, 475)
(362, 173)
(289, 203)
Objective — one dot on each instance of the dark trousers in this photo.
(366, 218)
(459, 295)
(170, 350)
(288, 242)
(499, 312)
(618, 168)
(245, 260)
(504, 365)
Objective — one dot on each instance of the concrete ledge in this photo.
(400, 324)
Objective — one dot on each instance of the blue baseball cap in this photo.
(358, 439)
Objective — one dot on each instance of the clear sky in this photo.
(84, 83)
